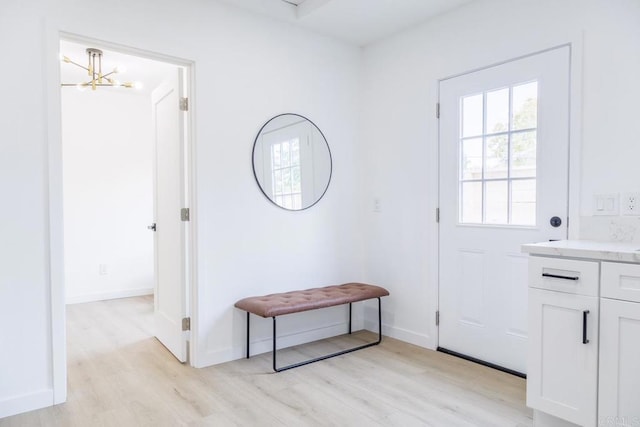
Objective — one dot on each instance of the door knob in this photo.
(152, 226)
(555, 221)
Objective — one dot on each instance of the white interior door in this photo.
(170, 303)
(504, 145)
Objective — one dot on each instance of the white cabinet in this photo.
(562, 377)
(584, 333)
(619, 388)
(619, 391)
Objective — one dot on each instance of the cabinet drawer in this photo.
(564, 275)
(621, 281)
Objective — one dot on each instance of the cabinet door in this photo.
(562, 375)
(619, 396)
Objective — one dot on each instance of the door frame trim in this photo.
(54, 220)
(575, 44)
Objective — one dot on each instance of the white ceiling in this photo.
(359, 22)
(356, 21)
(146, 71)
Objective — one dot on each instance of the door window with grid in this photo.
(286, 166)
(498, 134)
(286, 186)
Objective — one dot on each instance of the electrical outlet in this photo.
(630, 204)
(377, 205)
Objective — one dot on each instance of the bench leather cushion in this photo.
(310, 299)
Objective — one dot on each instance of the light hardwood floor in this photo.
(119, 375)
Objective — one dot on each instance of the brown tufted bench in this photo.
(311, 299)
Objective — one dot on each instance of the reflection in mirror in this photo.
(292, 162)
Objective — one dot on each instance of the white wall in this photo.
(108, 194)
(247, 69)
(25, 334)
(398, 124)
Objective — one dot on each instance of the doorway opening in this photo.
(126, 191)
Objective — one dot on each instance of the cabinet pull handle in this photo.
(557, 276)
(584, 327)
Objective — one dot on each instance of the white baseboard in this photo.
(541, 419)
(101, 296)
(214, 357)
(405, 335)
(26, 402)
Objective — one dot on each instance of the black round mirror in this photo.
(292, 162)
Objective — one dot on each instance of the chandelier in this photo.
(94, 71)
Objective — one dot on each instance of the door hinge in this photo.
(186, 323)
(184, 104)
(438, 318)
(184, 214)
(437, 214)
(437, 110)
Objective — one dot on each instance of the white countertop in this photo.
(607, 251)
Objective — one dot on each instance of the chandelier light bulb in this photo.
(97, 78)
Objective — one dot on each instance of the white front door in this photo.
(504, 146)
(170, 302)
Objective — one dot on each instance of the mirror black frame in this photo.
(253, 162)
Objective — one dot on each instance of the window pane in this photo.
(286, 181)
(496, 202)
(471, 166)
(525, 106)
(297, 201)
(275, 156)
(295, 153)
(498, 148)
(287, 202)
(498, 111)
(295, 179)
(523, 154)
(523, 202)
(472, 115)
(277, 182)
(286, 159)
(471, 206)
(497, 157)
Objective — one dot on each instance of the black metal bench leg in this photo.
(379, 321)
(339, 353)
(248, 314)
(274, 345)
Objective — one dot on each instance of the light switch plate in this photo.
(606, 204)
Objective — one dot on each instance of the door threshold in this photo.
(482, 362)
